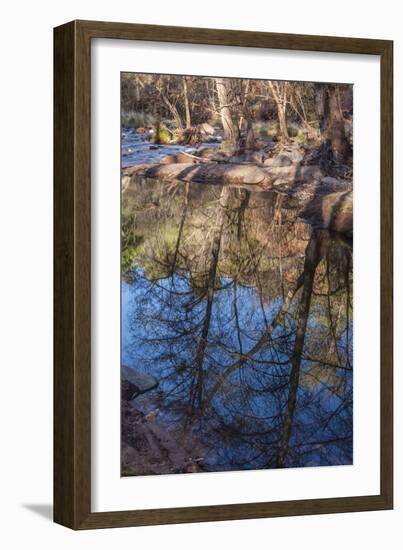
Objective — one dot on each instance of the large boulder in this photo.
(136, 382)
(224, 173)
(250, 157)
(329, 184)
(206, 128)
(296, 155)
(333, 212)
(286, 157)
(180, 157)
(257, 157)
(294, 174)
(282, 160)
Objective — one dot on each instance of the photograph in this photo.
(201, 343)
(236, 274)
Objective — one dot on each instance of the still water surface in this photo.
(244, 316)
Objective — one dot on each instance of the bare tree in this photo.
(169, 99)
(211, 283)
(247, 115)
(231, 131)
(312, 259)
(186, 101)
(279, 91)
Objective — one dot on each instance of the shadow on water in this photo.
(244, 316)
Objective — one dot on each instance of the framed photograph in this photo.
(222, 349)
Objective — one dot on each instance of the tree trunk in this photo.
(279, 92)
(186, 98)
(283, 122)
(171, 106)
(265, 337)
(250, 136)
(335, 148)
(311, 262)
(247, 116)
(231, 131)
(175, 113)
(197, 390)
(181, 226)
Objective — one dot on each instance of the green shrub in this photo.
(264, 129)
(302, 138)
(129, 255)
(161, 133)
(272, 128)
(293, 130)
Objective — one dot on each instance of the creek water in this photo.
(224, 303)
(138, 149)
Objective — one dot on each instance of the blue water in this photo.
(195, 332)
(137, 149)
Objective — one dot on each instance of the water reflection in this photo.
(244, 316)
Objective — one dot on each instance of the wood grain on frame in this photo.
(72, 267)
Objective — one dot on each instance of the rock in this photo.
(180, 157)
(200, 132)
(236, 159)
(264, 142)
(212, 139)
(136, 382)
(255, 157)
(130, 170)
(127, 390)
(295, 173)
(296, 155)
(192, 468)
(207, 152)
(253, 175)
(152, 444)
(258, 157)
(224, 173)
(186, 157)
(333, 212)
(289, 156)
(168, 159)
(282, 160)
(279, 182)
(329, 184)
(206, 128)
(152, 415)
(328, 180)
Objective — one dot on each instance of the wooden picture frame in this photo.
(72, 270)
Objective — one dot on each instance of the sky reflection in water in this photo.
(244, 316)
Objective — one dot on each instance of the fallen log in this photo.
(209, 173)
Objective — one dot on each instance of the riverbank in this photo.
(292, 170)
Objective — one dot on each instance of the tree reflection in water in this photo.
(244, 316)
